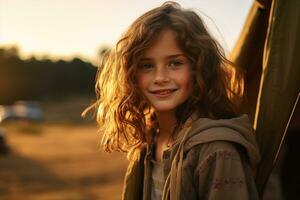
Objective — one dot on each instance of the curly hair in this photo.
(124, 116)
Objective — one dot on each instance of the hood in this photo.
(204, 130)
(237, 130)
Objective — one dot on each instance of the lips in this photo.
(163, 92)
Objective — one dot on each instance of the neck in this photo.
(167, 121)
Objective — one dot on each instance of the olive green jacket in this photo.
(211, 159)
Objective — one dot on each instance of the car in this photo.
(27, 110)
(4, 149)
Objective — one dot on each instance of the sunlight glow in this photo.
(63, 29)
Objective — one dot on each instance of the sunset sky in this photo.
(63, 29)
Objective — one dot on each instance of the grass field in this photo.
(59, 158)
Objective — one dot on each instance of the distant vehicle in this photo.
(26, 110)
(4, 149)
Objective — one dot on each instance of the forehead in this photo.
(165, 44)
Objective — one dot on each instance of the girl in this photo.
(166, 97)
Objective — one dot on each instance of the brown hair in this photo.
(124, 116)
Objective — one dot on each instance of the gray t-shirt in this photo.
(158, 180)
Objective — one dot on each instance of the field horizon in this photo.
(59, 158)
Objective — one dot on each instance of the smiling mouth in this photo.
(163, 93)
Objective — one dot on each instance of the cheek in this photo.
(142, 87)
(189, 87)
(142, 81)
(187, 80)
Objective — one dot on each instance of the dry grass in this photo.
(58, 161)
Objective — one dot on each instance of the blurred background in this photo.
(49, 52)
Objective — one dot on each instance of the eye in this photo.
(146, 66)
(176, 63)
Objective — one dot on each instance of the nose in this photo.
(161, 75)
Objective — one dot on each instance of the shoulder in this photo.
(136, 161)
(203, 150)
(221, 171)
(211, 136)
(217, 158)
(206, 154)
(138, 153)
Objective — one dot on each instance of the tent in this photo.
(268, 50)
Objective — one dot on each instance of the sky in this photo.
(63, 29)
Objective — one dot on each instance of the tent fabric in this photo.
(280, 82)
(264, 3)
(247, 55)
(268, 51)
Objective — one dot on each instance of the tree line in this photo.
(33, 79)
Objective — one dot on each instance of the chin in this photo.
(164, 108)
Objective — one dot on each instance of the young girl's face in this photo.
(164, 74)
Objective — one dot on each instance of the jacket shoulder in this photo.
(220, 171)
(199, 153)
(133, 181)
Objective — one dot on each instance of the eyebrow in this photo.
(169, 56)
